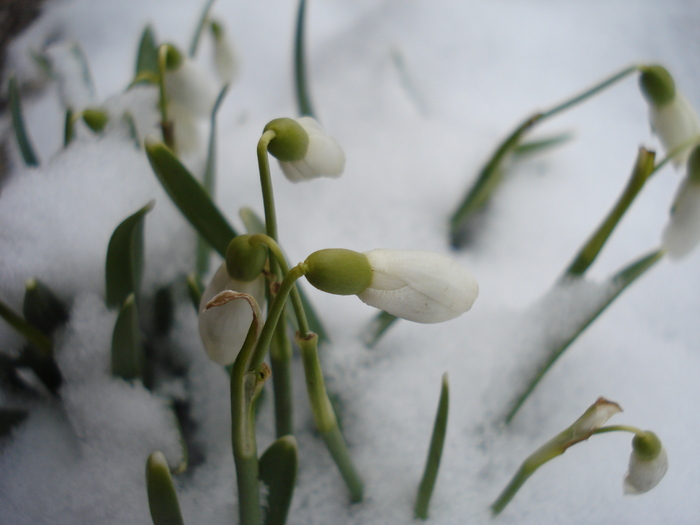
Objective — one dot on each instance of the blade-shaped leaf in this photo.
(25, 145)
(127, 345)
(125, 258)
(378, 327)
(147, 57)
(532, 147)
(33, 335)
(162, 497)
(42, 308)
(189, 196)
(200, 26)
(278, 470)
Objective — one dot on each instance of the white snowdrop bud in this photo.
(420, 286)
(648, 464)
(682, 233)
(226, 310)
(672, 118)
(323, 156)
(225, 56)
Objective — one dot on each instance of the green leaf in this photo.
(378, 327)
(189, 196)
(162, 497)
(42, 308)
(127, 345)
(278, 470)
(252, 221)
(33, 335)
(25, 145)
(542, 145)
(300, 74)
(147, 57)
(68, 128)
(200, 25)
(437, 441)
(125, 258)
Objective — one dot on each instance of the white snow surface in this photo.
(414, 138)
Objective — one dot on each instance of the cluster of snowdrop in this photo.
(242, 311)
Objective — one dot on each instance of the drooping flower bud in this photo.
(648, 464)
(420, 286)
(304, 150)
(338, 271)
(225, 57)
(188, 86)
(226, 311)
(245, 261)
(672, 118)
(682, 233)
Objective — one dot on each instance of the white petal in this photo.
(223, 329)
(675, 123)
(420, 286)
(324, 158)
(642, 476)
(682, 233)
(225, 59)
(191, 87)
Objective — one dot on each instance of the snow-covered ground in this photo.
(418, 94)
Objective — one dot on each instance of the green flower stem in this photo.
(300, 77)
(280, 359)
(643, 168)
(490, 176)
(437, 441)
(34, 336)
(324, 416)
(618, 428)
(620, 282)
(166, 125)
(266, 183)
(246, 385)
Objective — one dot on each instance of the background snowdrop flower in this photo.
(420, 286)
(671, 116)
(682, 233)
(225, 56)
(648, 464)
(304, 150)
(224, 315)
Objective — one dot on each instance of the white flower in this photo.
(682, 233)
(225, 56)
(420, 286)
(224, 317)
(324, 156)
(644, 474)
(675, 123)
(191, 88)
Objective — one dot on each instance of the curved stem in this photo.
(618, 428)
(266, 183)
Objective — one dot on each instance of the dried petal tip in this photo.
(648, 464)
(424, 287)
(594, 418)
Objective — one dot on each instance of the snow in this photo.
(414, 137)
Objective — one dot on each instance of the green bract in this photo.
(338, 271)
(291, 141)
(657, 85)
(245, 261)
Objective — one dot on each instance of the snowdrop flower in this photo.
(420, 286)
(672, 118)
(682, 233)
(226, 311)
(648, 464)
(303, 149)
(225, 57)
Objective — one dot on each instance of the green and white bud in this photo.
(225, 56)
(338, 271)
(648, 464)
(245, 261)
(657, 85)
(305, 156)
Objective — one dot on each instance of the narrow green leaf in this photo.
(189, 196)
(147, 57)
(209, 182)
(163, 310)
(125, 258)
(200, 26)
(42, 308)
(542, 145)
(252, 221)
(68, 128)
(25, 145)
(300, 74)
(162, 497)
(131, 126)
(10, 418)
(31, 334)
(378, 327)
(437, 441)
(127, 345)
(278, 470)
